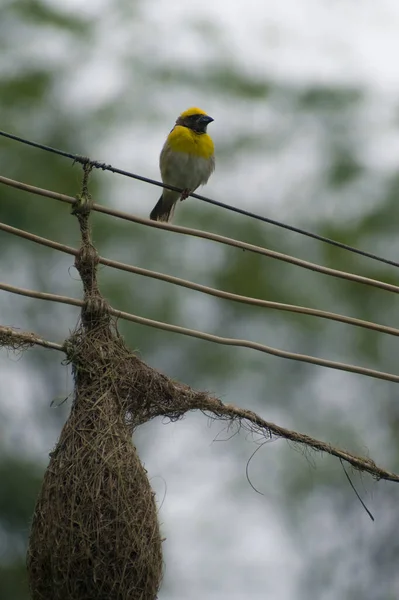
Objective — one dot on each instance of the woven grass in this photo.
(95, 532)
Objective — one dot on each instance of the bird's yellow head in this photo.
(194, 118)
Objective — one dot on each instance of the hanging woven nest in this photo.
(95, 532)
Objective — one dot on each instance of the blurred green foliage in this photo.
(29, 107)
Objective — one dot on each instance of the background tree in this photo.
(305, 130)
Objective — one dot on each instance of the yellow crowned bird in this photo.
(187, 160)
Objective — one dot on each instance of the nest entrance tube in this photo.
(95, 532)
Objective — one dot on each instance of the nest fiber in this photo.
(95, 532)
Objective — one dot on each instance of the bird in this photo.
(187, 160)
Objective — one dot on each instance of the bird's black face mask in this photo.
(197, 123)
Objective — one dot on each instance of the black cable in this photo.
(105, 167)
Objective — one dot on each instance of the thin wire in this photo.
(14, 339)
(203, 288)
(227, 411)
(119, 314)
(106, 167)
(40, 295)
(208, 236)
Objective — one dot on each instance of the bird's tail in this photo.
(165, 207)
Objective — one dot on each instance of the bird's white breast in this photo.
(185, 170)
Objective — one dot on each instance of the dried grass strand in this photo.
(194, 400)
(14, 339)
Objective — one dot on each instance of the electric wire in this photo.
(209, 337)
(207, 235)
(107, 167)
(203, 288)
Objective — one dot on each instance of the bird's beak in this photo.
(206, 119)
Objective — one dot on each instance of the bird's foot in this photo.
(185, 194)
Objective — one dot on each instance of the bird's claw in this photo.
(185, 194)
